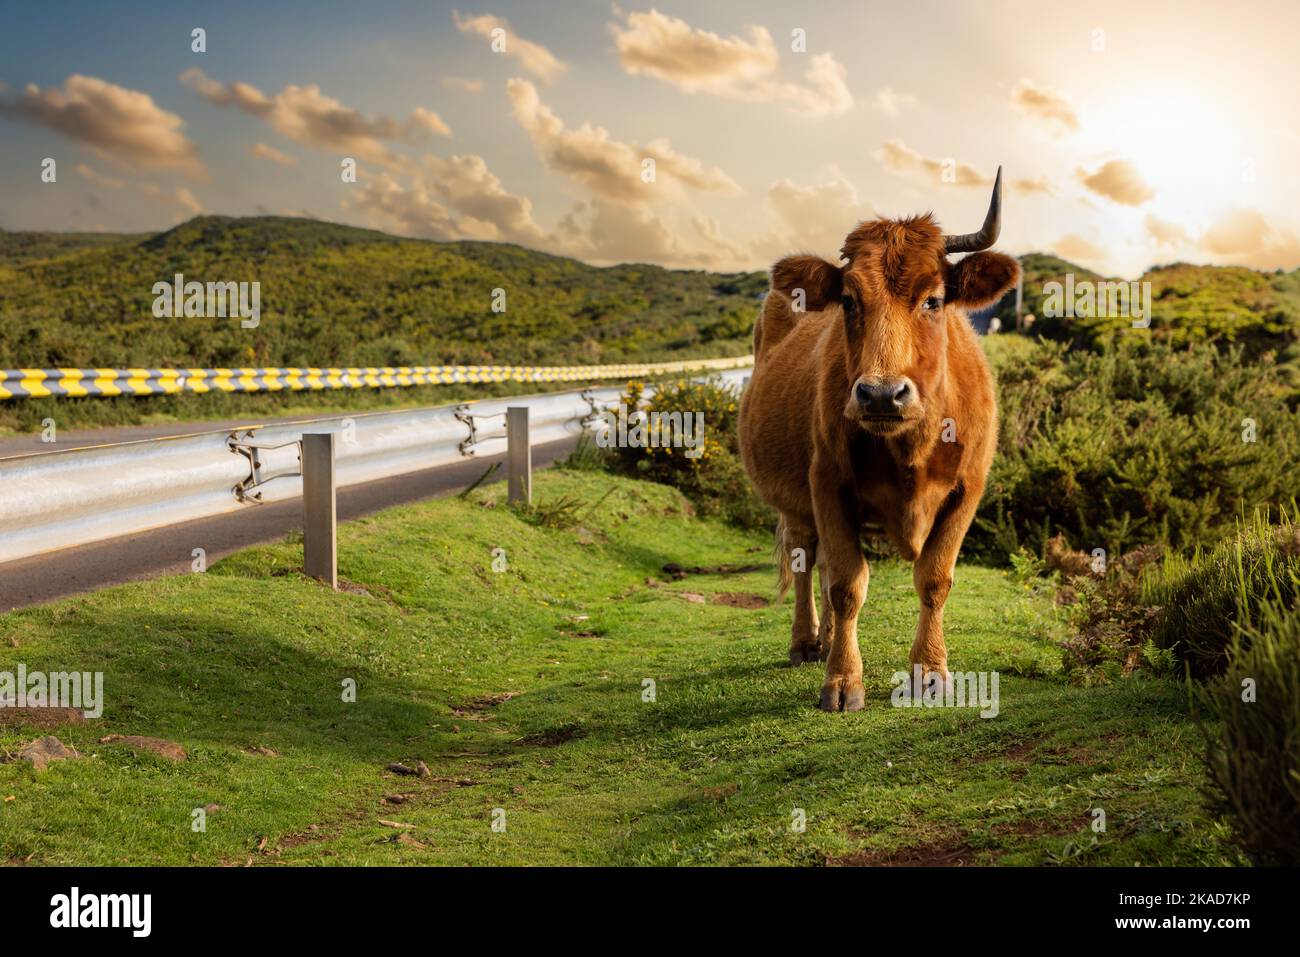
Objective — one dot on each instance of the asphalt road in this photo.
(167, 551)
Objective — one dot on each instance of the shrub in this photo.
(1204, 600)
(714, 480)
(1141, 443)
(1253, 754)
(1144, 613)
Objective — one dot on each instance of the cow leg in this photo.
(932, 578)
(804, 637)
(824, 583)
(837, 535)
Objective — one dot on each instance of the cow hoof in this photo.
(801, 653)
(837, 696)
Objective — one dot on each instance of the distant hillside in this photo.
(1260, 310)
(338, 295)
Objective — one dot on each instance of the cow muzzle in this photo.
(882, 404)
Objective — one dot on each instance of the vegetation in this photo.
(1254, 742)
(1140, 443)
(335, 295)
(525, 690)
(1260, 311)
(711, 475)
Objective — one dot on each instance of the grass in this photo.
(524, 690)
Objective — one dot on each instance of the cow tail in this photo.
(781, 555)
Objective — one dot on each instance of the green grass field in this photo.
(523, 690)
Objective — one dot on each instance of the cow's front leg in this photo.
(846, 570)
(932, 577)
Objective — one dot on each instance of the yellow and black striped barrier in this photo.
(35, 383)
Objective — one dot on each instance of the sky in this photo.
(719, 136)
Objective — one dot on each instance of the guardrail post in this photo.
(319, 508)
(519, 454)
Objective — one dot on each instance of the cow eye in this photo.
(933, 304)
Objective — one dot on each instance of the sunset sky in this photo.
(1131, 133)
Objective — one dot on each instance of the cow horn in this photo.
(988, 234)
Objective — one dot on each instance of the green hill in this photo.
(1260, 310)
(338, 295)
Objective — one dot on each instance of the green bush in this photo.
(714, 480)
(1204, 600)
(1253, 750)
(1141, 443)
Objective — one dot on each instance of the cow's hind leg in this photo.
(838, 536)
(799, 553)
(824, 583)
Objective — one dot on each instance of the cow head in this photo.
(895, 295)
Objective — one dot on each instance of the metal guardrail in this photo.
(53, 500)
(36, 383)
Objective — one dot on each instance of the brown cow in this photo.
(873, 406)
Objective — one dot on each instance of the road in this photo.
(167, 551)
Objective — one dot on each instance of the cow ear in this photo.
(980, 279)
(820, 281)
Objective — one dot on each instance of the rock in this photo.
(44, 750)
(422, 770)
(137, 743)
(692, 597)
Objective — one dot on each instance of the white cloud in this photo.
(737, 68)
(120, 125)
(533, 57)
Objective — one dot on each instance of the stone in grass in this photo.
(44, 750)
(137, 743)
(421, 770)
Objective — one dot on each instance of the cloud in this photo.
(898, 157)
(1165, 233)
(1045, 105)
(533, 57)
(812, 219)
(891, 103)
(430, 121)
(1118, 181)
(120, 125)
(1038, 185)
(607, 167)
(1242, 236)
(1077, 249)
(611, 232)
(697, 61)
(463, 84)
(451, 198)
(306, 115)
(98, 178)
(262, 151)
(179, 197)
